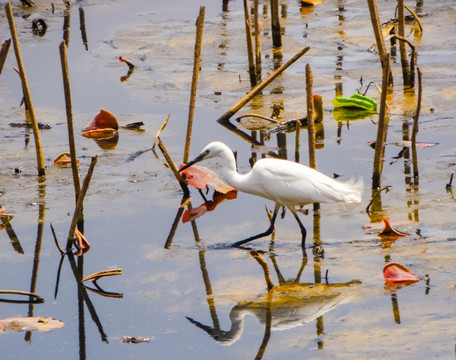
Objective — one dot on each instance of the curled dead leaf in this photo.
(103, 126)
(389, 232)
(83, 245)
(64, 160)
(397, 273)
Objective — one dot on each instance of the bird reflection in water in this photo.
(288, 306)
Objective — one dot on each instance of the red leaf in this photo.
(200, 177)
(217, 198)
(397, 273)
(103, 120)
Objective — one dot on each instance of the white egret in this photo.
(285, 182)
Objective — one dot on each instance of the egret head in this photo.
(211, 150)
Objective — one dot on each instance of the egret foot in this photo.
(263, 234)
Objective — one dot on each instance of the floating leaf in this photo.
(83, 244)
(397, 273)
(217, 198)
(64, 160)
(201, 176)
(389, 232)
(104, 125)
(357, 101)
(29, 324)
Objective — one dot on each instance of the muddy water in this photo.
(131, 205)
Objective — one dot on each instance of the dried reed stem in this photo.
(415, 129)
(257, 43)
(196, 68)
(275, 24)
(310, 117)
(257, 89)
(26, 91)
(248, 33)
(378, 34)
(78, 209)
(311, 128)
(403, 50)
(69, 115)
(173, 167)
(382, 128)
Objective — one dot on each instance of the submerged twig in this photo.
(56, 241)
(258, 116)
(377, 194)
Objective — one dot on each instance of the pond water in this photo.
(191, 297)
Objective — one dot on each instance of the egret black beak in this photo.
(192, 162)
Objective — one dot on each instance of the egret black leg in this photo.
(266, 233)
(303, 229)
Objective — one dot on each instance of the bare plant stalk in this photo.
(257, 42)
(381, 129)
(415, 130)
(311, 124)
(69, 115)
(378, 34)
(78, 209)
(3, 53)
(297, 139)
(250, 54)
(257, 89)
(411, 75)
(26, 91)
(82, 27)
(196, 67)
(403, 50)
(171, 164)
(275, 24)
(310, 117)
